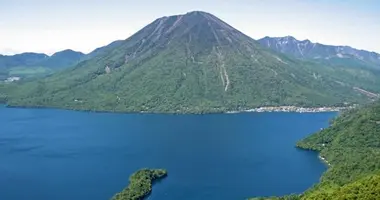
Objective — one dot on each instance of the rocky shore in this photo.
(324, 160)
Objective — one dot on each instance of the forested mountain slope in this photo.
(192, 63)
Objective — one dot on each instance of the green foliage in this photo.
(140, 184)
(351, 144)
(197, 65)
(288, 197)
(367, 188)
(30, 72)
(5, 89)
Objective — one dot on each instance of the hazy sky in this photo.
(49, 25)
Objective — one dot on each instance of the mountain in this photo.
(7, 63)
(37, 64)
(24, 59)
(337, 55)
(193, 63)
(60, 59)
(66, 58)
(103, 49)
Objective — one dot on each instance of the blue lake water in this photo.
(66, 155)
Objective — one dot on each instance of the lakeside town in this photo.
(298, 109)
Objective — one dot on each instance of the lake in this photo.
(67, 155)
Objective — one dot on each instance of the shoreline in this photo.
(254, 110)
(294, 109)
(324, 160)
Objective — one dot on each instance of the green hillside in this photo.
(62, 59)
(367, 188)
(32, 65)
(193, 63)
(351, 146)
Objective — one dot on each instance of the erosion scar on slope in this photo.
(226, 75)
(157, 31)
(222, 67)
(222, 76)
(175, 24)
(138, 48)
(190, 54)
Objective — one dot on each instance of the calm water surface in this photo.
(66, 155)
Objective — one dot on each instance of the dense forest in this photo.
(140, 184)
(351, 147)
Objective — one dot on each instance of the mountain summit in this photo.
(200, 26)
(186, 63)
(198, 33)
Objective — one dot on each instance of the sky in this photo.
(48, 26)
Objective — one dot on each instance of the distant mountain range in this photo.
(328, 54)
(57, 60)
(61, 59)
(37, 64)
(194, 63)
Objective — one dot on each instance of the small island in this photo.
(140, 184)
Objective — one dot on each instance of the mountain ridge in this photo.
(29, 64)
(310, 41)
(328, 54)
(191, 63)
